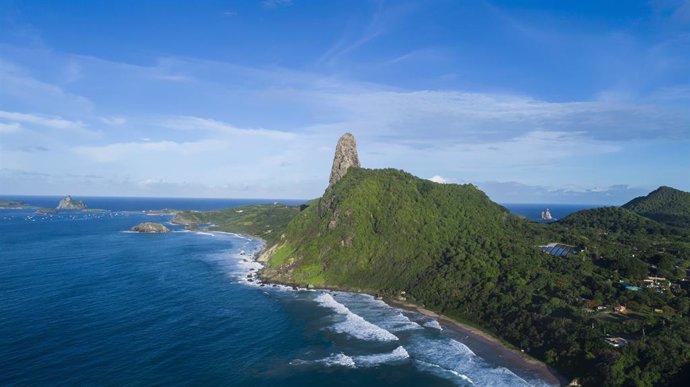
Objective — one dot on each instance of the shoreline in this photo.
(487, 342)
(501, 351)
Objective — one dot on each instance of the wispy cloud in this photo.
(199, 123)
(216, 132)
(120, 151)
(272, 4)
(113, 120)
(41, 120)
(430, 116)
(26, 92)
(357, 37)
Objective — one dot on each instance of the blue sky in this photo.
(533, 101)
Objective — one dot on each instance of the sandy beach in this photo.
(487, 346)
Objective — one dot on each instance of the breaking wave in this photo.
(434, 324)
(364, 361)
(354, 325)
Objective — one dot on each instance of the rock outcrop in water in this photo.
(150, 227)
(345, 157)
(67, 203)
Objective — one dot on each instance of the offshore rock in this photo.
(67, 203)
(345, 157)
(149, 227)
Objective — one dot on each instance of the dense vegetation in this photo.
(267, 221)
(666, 205)
(453, 250)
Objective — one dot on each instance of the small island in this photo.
(12, 204)
(67, 203)
(150, 228)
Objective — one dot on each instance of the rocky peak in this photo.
(67, 203)
(345, 157)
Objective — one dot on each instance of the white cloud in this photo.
(42, 120)
(113, 120)
(199, 123)
(120, 151)
(438, 116)
(514, 192)
(600, 189)
(440, 179)
(224, 137)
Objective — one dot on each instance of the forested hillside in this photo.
(666, 205)
(450, 248)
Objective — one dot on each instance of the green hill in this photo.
(266, 221)
(453, 250)
(628, 243)
(665, 204)
(613, 219)
(389, 222)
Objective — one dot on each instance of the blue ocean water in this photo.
(85, 302)
(558, 211)
(147, 203)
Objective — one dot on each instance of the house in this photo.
(620, 309)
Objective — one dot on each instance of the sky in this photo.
(532, 101)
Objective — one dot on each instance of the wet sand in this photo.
(489, 347)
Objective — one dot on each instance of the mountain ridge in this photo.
(665, 204)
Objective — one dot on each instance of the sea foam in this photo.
(378, 312)
(398, 354)
(452, 359)
(363, 361)
(460, 379)
(354, 325)
(434, 324)
(398, 323)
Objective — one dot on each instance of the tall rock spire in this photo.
(345, 157)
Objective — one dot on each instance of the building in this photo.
(560, 249)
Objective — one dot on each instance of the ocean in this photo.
(558, 211)
(86, 302)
